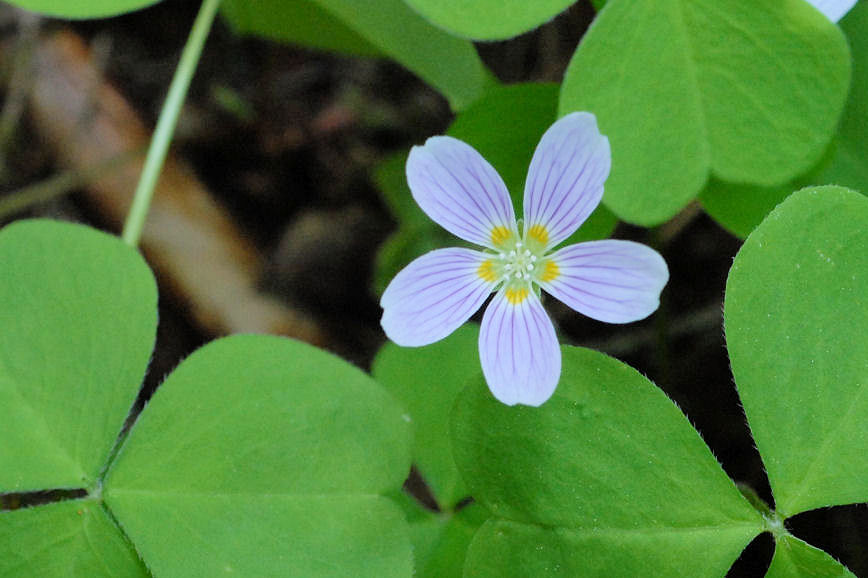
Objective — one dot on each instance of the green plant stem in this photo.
(18, 85)
(167, 122)
(61, 184)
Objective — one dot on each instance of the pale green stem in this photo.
(61, 184)
(18, 86)
(167, 122)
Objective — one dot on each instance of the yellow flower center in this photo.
(516, 296)
(550, 271)
(486, 271)
(500, 236)
(519, 263)
(539, 234)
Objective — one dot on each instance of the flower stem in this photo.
(61, 184)
(167, 122)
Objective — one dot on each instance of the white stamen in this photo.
(533, 258)
(530, 267)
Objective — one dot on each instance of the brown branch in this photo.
(196, 249)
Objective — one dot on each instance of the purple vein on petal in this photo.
(504, 212)
(568, 171)
(549, 193)
(585, 198)
(457, 187)
(433, 295)
(473, 228)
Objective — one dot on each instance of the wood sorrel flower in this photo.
(611, 280)
(833, 9)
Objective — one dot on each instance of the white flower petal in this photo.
(434, 295)
(460, 191)
(612, 281)
(834, 10)
(519, 351)
(565, 180)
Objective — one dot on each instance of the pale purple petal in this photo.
(565, 180)
(460, 191)
(432, 296)
(519, 351)
(834, 10)
(612, 281)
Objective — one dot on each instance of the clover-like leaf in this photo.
(264, 456)
(302, 22)
(427, 380)
(848, 166)
(796, 316)
(794, 558)
(747, 90)
(69, 370)
(71, 539)
(449, 550)
(607, 478)
(440, 539)
(83, 8)
(489, 19)
(740, 208)
(370, 27)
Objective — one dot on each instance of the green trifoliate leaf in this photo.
(77, 325)
(607, 478)
(370, 27)
(265, 457)
(747, 90)
(82, 8)
(303, 22)
(449, 551)
(427, 380)
(489, 19)
(740, 208)
(440, 540)
(795, 328)
(795, 559)
(849, 164)
(71, 539)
